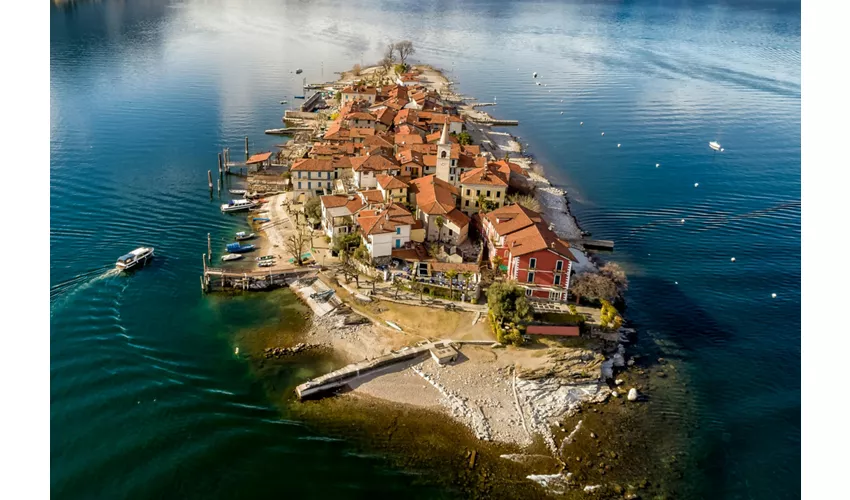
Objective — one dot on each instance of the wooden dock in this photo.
(495, 122)
(288, 130)
(482, 104)
(598, 244)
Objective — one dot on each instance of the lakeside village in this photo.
(430, 248)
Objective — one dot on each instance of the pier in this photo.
(288, 130)
(598, 244)
(217, 279)
(493, 121)
(482, 104)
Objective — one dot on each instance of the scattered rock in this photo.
(633, 394)
(615, 394)
(589, 488)
(593, 435)
(618, 359)
(661, 374)
(631, 362)
(617, 489)
(619, 381)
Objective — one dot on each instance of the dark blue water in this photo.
(148, 398)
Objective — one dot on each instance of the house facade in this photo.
(384, 229)
(484, 181)
(531, 253)
(312, 177)
(338, 214)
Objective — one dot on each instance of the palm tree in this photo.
(497, 264)
(398, 285)
(417, 288)
(440, 222)
(467, 276)
(451, 274)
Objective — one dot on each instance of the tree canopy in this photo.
(404, 49)
(594, 286)
(313, 208)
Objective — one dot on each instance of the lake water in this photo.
(147, 396)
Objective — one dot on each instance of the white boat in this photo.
(238, 191)
(714, 145)
(238, 205)
(231, 256)
(266, 263)
(242, 235)
(137, 257)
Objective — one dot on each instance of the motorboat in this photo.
(137, 257)
(266, 263)
(238, 205)
(231, 256)
(714, 145)
(242, 235)
(299, 97)
(238, 191)
(299, 71)
(265, 257)
(261, 219)
(239, 248)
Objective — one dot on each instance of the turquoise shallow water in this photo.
(147, 398)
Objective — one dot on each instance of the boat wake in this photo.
(60, 293)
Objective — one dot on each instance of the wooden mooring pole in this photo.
(219, 188)
(209, 179)
(246, 148)
(209, 248)
(220, 166)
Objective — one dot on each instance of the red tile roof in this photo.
(352, 203)
(484, 176)
(558, 331)
(511, 218)
(372, 196)
(507, 168)
(374, 163)
(408, 139)
(390, 182)
(313, 165)
(258, 158)
(386, 220)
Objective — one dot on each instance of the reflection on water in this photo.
(147, 396)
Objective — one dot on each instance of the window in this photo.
(559, 266)
(299, 174)
(299, 183)
(398, 243)
(398, 230)
(467, 192)
(467, 203)
(498, 194)
(554, 295)
(443, 154)
(488, 194)
(531, 277)
(309, 185)
(528, 292)
(476, 203)
(450, 233)
(477, 192)
(557, 279)
(532, 263)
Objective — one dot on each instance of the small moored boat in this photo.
(137, 257)
(238, 205)
(239, 248)
(299, 71)
(242, 235)
(261, 219)
(299, 97)
(265, 257)
(266, 263)
(231, 256)
(238, 191)
(714, 145)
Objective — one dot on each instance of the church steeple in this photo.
(444, 137)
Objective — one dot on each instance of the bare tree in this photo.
(398, 285)
(356, 70)
(296, 244)
(613, 271)
(593, 286)
(404, 49)
(388, 59)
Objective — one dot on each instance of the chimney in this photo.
(551, 227)
(552, 245)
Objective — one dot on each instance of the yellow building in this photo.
(483, 181)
